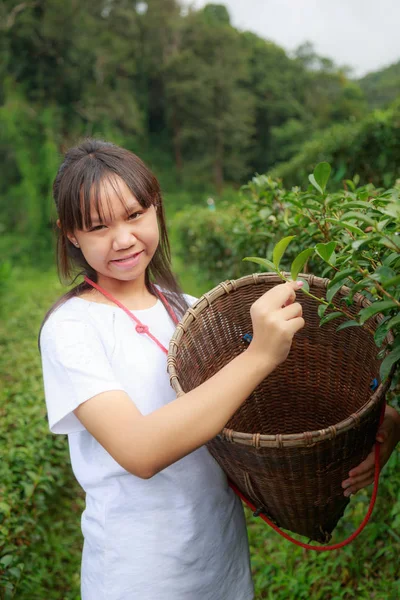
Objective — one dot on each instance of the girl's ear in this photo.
(70, 237)
(73, 240)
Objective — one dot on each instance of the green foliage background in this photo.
(207, 107)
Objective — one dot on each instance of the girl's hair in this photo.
(77, 183)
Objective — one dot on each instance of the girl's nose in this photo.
(123, 238)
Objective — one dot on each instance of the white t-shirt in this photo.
(180, 535)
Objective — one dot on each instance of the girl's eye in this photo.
(97, 228)
(133, 216)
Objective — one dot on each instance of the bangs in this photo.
(86, 193)
(96, 198)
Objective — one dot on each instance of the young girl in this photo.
(160, 521)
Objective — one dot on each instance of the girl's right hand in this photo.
(276, 317)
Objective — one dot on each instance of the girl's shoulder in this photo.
(189, 299)
(75, 310)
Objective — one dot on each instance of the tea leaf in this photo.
(359, 217)
(375, 308)
(382, 331)
(342, 275)
(322, 309)
(391, 282)
(306, 286)
(280, 248)
(321, 175)
(315, 184)
(325, 251)
(300, 261)
(331, 291)
(364, 283)
(348, 324)
(394, 321)
(349, 226)
(388, 362)
(6, 560)
(330, 317)
(264, 262)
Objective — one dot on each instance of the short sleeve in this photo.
(75, 369)
(190, 299)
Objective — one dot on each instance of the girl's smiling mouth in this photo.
(127, 262)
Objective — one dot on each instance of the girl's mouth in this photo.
(129, 262)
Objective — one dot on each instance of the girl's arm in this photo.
(144, 445)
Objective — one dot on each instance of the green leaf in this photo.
(321, 175)
(382, 331)
(358, 204)
(394, 321)
(342, 275)
(364, 283)
(366, 241)
(388, 362)
(315, 184)
(330, 317)
(391, 258)
(382, 224)
(306, 286)
(358, 216)
(375, 308)
(6, 560)
(15, 572)
(391, 282)
(348, 226)
(325, 251)
(300, 261)
(264, 262)
(383, 273)
(280, 248)
(331, 291)
(348, 324)
(322, 310)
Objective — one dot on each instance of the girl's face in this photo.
(122, 245)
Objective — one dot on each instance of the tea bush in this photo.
(351, 236)
(38, 553)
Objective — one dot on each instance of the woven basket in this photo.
(294, 440)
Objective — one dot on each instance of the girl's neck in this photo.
(132, 294)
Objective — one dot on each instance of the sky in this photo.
(362, 34)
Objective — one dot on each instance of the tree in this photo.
(209, 104)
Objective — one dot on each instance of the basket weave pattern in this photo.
(294, 440)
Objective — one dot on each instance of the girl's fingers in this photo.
(281, 294)
(366, 465)
(294, 325)
(359, 483)
(292, 311)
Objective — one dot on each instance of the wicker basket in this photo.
(294, 440)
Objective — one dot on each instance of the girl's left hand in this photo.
(388, 435)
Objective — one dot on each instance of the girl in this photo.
(160, 521)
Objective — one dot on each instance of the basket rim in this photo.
(258, 440)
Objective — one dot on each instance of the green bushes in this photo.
(353, 236)
(350, 236)
(40, 503)
(370, 148)
(34, 466)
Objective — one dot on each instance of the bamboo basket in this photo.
(294, 440)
